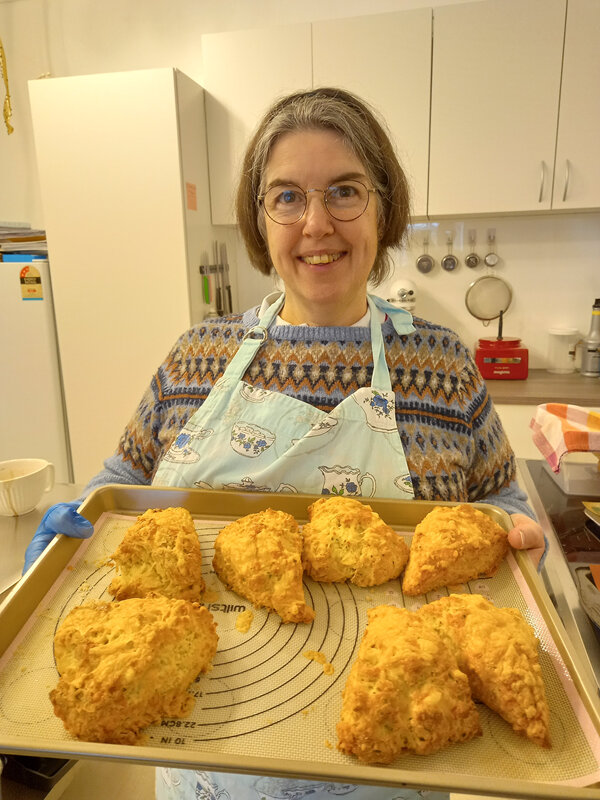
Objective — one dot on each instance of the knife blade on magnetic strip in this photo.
(228, 301)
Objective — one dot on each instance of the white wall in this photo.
(552, 262)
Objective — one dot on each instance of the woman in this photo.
(324, 384)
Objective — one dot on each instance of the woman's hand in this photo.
(60, 518)
(527, 535)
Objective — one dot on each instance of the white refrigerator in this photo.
(32, 417)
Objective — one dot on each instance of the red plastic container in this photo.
(502, 359)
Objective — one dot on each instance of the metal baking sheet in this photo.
(265, 708)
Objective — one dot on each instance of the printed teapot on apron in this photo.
(251, 438)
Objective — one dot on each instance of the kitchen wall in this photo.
(552, 262)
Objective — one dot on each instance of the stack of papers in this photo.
(20, 237)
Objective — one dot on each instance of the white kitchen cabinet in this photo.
(242, 73)
(123, 178)
(577, 175)
(495, 93)
(385, 59)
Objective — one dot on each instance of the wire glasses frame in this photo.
(344, 201)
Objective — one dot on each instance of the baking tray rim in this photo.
(126, 499)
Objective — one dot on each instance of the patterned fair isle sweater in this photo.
(454, 443)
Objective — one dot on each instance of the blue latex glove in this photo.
(60, 518)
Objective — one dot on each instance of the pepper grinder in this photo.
(590, 356)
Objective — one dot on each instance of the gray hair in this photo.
(363, 133)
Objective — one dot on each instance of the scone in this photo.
(453, 545)
(498, 651)
(260, 557)
(345, 540)
(159, 553)
(405, 692)
(127, 665)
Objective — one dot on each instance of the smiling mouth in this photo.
(323, 258)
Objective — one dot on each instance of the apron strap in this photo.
(253, 341)
(257, 335)
(402, 319)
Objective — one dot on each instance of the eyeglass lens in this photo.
(344, 201)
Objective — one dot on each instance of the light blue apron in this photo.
(250, 438)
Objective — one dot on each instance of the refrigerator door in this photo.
(32, 420)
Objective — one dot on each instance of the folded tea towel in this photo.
(559, 428)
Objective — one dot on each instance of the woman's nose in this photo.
(317, 220)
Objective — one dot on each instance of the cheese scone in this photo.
(345, 540)
(498, 651)
(127, 665)
(453, 545)
(259, 556)
(159, 553)
(405, 692)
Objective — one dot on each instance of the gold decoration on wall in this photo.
(7, 105)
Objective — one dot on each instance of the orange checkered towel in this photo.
(559, 428)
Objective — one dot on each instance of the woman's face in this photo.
(323, 263)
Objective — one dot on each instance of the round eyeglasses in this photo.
(345, 201)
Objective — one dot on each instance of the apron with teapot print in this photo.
(250, 438)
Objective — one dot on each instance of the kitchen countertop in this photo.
(17, 532)
(542, 386)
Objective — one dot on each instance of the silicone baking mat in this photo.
(269, 695)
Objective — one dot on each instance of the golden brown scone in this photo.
(498, 651)
(127, 665)
(159, 553)
(259, 557)
(405, 692)
(453, 545)
(345, 539)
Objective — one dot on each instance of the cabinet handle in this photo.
(567, 174)
(542, 181)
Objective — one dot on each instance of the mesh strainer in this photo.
(488, 298)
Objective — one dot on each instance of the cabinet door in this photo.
(385, 59)
(494, 113)
(577, 178)
(242, 73)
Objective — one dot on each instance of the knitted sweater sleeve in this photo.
(455, 445)
(494, 466)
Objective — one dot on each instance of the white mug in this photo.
(23, 481)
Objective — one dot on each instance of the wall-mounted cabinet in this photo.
(494, 106)
(505, 100)
(242, 73)
(487, 115)
(577, 172)
(373, 57)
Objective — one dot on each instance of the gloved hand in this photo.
(60, 518)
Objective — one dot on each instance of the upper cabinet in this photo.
(385, 59)
(577, 176)
(494, 106)
(242, 73)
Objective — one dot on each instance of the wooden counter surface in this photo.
(542, 386)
